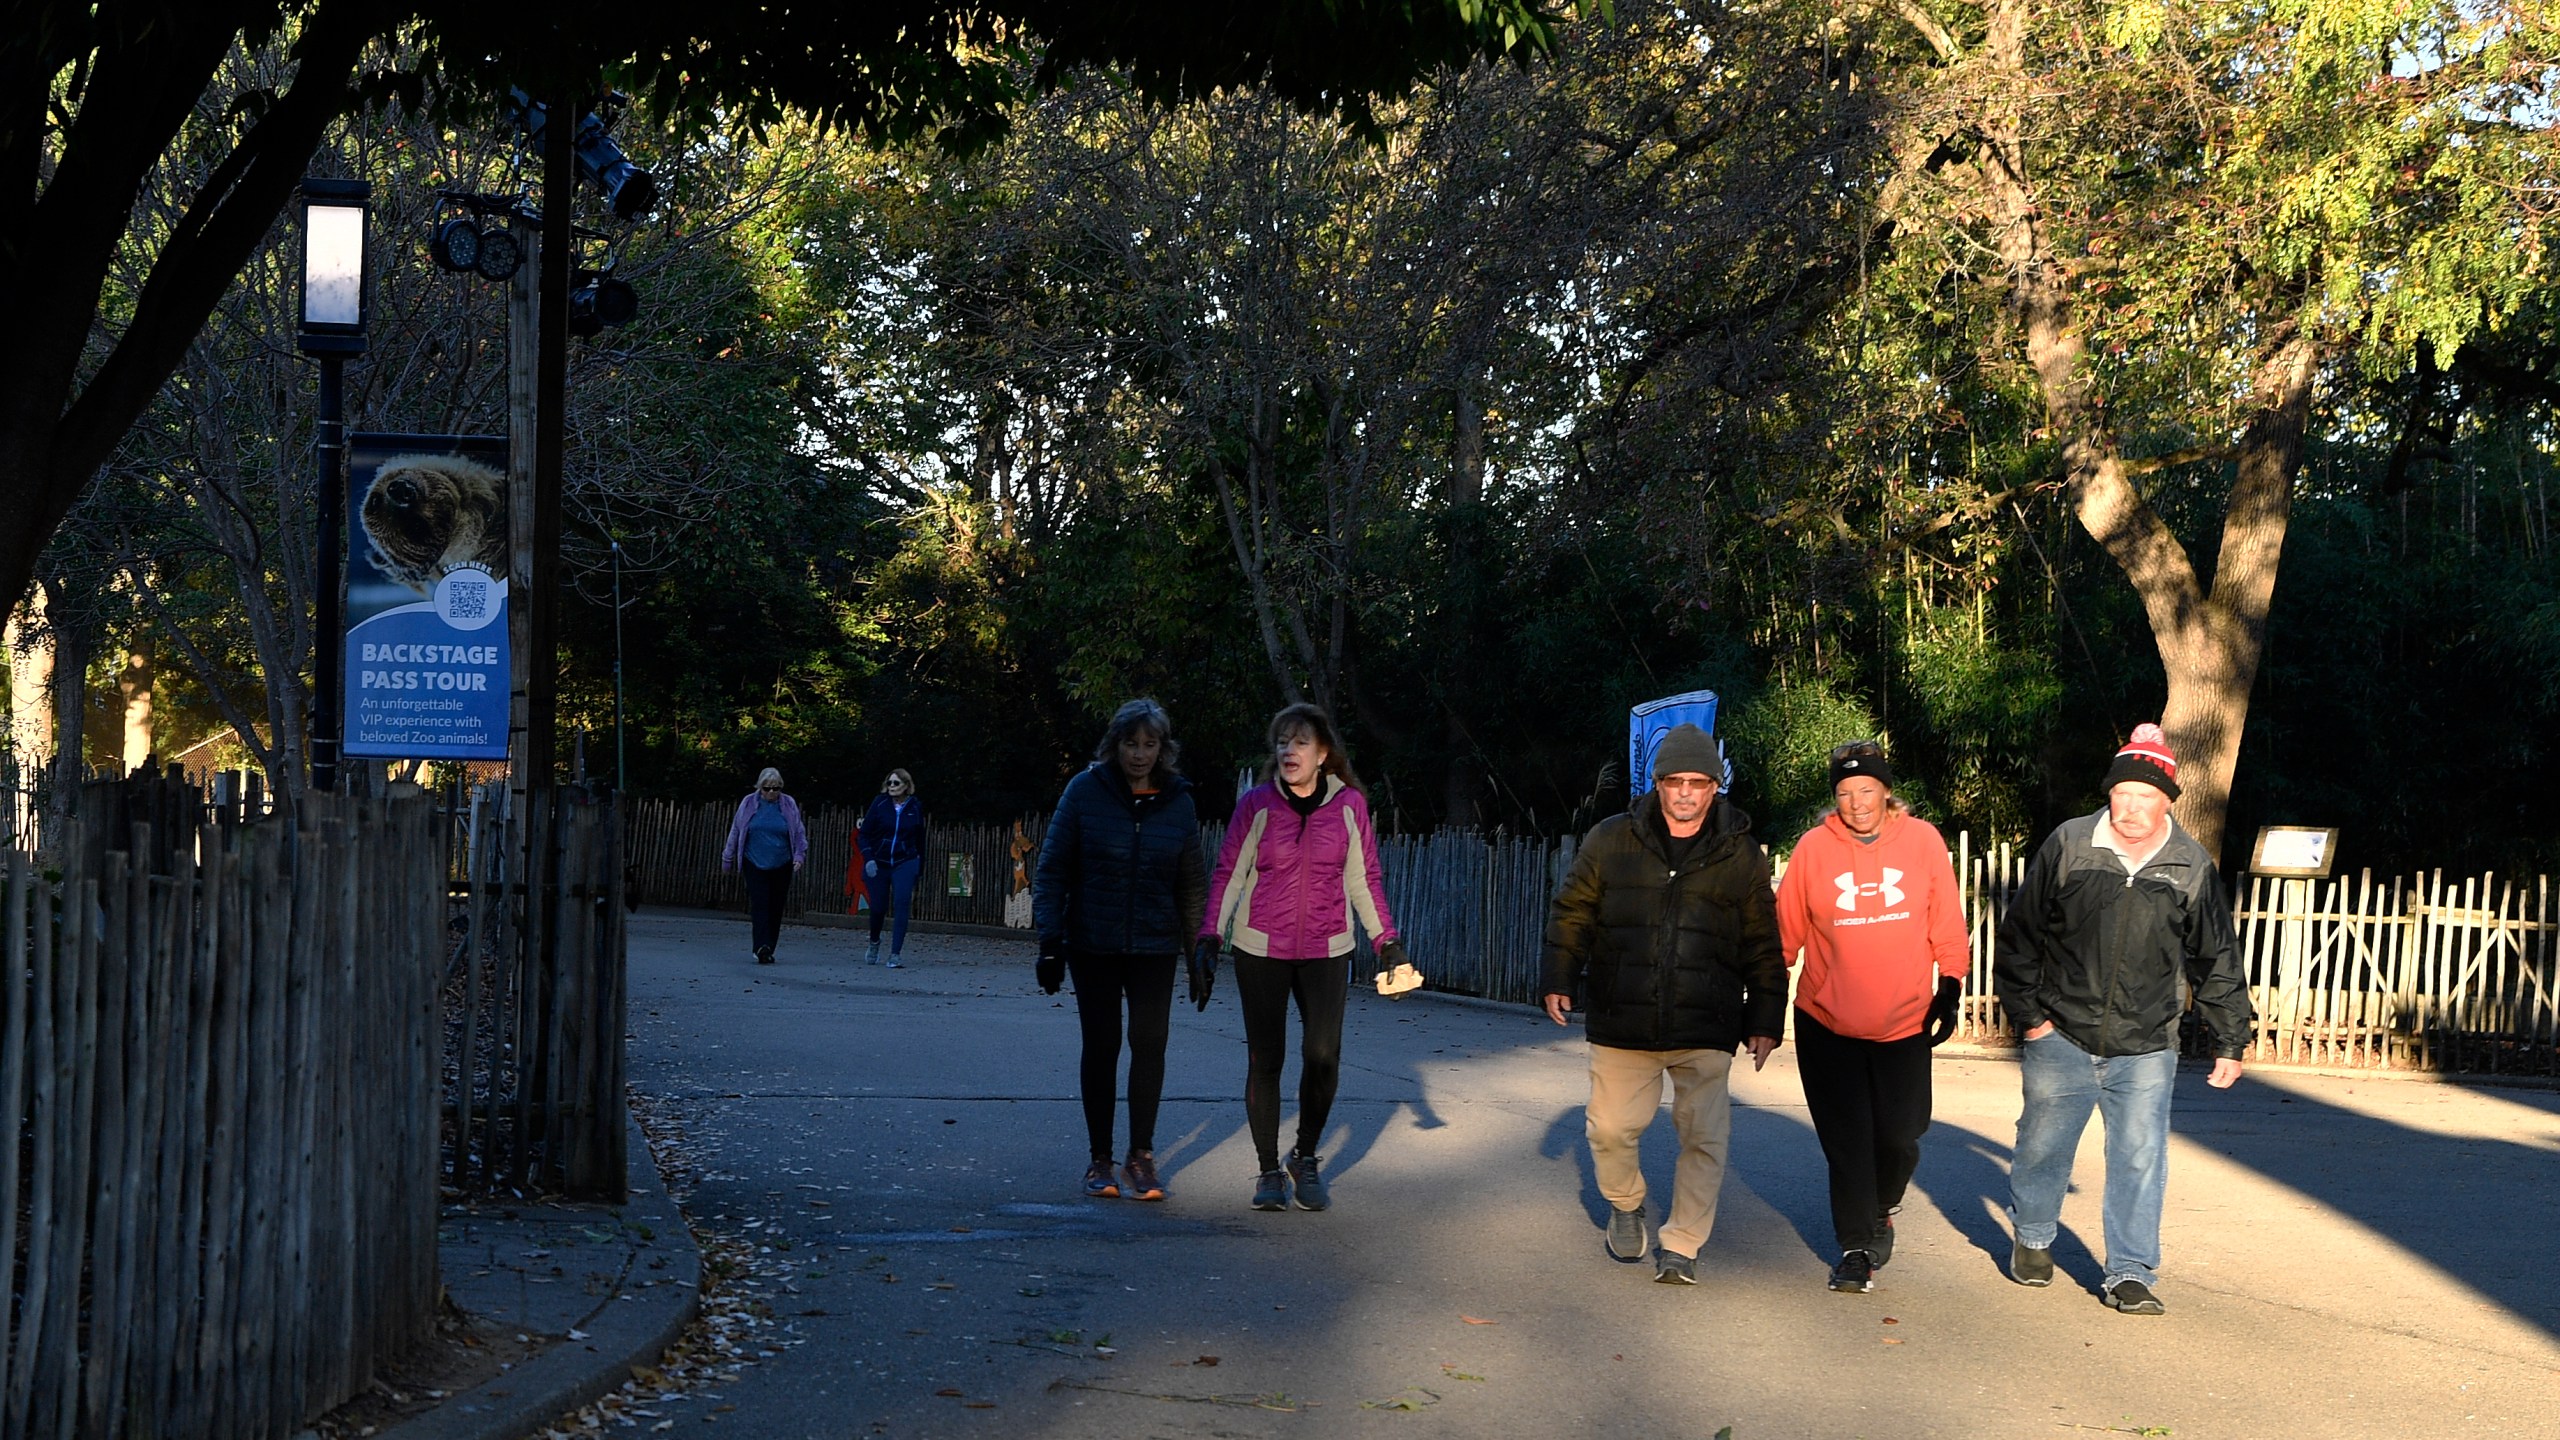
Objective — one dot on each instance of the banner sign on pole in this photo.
(426, 642)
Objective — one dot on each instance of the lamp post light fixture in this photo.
(334, 222)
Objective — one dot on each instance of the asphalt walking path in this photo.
(2344, 1256)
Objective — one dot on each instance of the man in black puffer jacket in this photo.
(1669, 918)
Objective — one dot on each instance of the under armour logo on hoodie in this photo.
(1850, 889)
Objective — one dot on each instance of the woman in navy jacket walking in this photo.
(1119, 887)
(893, 850)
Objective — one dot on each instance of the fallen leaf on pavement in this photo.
(1893, 1340)
(1415, 1398)
(1470, 1319)
(949, 1391)
(1206, 1360)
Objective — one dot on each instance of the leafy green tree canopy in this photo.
(95, 98)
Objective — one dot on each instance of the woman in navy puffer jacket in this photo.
(1119, 887)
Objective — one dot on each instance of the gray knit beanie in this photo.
(1690, 750)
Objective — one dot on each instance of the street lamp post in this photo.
(334, 213)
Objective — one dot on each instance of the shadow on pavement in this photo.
(2447, 1199)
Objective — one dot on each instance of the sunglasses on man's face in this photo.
(774, 788)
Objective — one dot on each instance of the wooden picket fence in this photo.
(535, 997)
(2422, 973)
(968, 869)
(218, 1058)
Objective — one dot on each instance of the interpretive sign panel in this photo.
(2300, 851)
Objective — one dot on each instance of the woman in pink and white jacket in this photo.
(1299, 866)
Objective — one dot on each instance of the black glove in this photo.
(1396, 974)
(1204, 970)
(1942, 1010)
(1052, 969)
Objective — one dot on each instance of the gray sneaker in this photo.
(1626, 1234)
(1670, 1269)
(2029, 1266)
(2132, 1297)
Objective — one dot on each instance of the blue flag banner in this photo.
(1649, 722)
(426, 643)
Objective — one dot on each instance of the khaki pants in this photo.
(1626, 1088)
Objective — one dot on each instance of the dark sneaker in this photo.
(1139, 1174)
(765, 956)
(1098, 1183)
(2132, 1297)
(1670, 1269)
(1880, 1244)
(2030, 1266)
(1855, 1274)
(1309, 1185)
(1271, 1190)
(1626, 1234)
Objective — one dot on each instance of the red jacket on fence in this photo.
(1876, 922)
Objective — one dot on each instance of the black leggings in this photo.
(1265, 986)
(767, 892)
(1870, 1102)
(1102, 981)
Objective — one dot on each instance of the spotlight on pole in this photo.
(501, 255)
(456, 245)
(479, 243)
(629, 191)
(598, 302)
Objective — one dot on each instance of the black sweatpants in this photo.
(1103, 984)
(1265, 986)
(767, 892)
(1870, 1103)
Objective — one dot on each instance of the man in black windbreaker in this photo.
(2120, 918)
(1668, 916)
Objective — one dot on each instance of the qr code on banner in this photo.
(466, 598)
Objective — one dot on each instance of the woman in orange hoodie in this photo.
(1870, 902)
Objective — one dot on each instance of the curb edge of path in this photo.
(572, 1373)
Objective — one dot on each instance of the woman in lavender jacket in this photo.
(768, 842)
(1298, 867)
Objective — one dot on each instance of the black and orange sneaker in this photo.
(1098, 1184)
(1138, 1176)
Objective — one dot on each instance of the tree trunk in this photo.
(134, 685)
(1463, 793)
(30, 642)
(73, 632)
(2210, 642)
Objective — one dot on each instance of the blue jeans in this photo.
(901, 898)
(2063, 1083)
